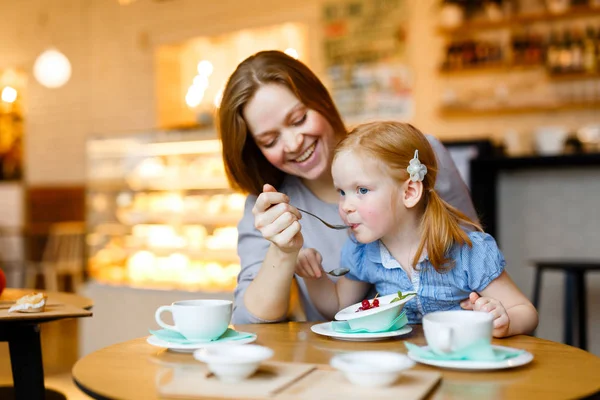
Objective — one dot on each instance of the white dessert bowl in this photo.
(233, 363)
(372, 368)
(374, 319)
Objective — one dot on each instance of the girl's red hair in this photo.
(394, 145)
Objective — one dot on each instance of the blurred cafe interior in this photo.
(111, 179)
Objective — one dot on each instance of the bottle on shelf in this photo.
(576, 52)
(565, 56)
(590, 61)
(553, 53)
(598, 49)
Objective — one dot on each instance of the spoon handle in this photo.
(327, 224)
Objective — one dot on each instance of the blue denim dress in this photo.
(475, 267)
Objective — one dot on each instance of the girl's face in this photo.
(369, 199)
(295, 139)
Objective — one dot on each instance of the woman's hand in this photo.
(308, 264)
(277, 220)
(492, 306)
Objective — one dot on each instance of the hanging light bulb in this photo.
(52, 69)
(290, 51)
(9, 94)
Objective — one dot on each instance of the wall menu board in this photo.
(364, 52)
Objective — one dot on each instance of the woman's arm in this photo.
(263, 290)
(268, 295)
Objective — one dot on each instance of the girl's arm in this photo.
(513, 312)
(329, 297)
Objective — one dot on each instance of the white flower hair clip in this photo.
(415, 169)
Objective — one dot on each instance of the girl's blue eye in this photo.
(363, 190)
(341, 192)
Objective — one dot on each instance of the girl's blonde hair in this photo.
(394, 145)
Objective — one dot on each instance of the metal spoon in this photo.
(338, 271)
(327, 224)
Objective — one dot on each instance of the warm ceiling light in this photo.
(9, 94)
(292, 52)
(205, 68)
(52, 69)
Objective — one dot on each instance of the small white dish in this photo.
(372, 368)
(375, 318)
(189, 348)
(233, 363)
(514, 362)
(325, 329)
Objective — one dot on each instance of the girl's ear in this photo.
(413, 191)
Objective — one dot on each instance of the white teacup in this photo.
(450, 331)
(197, 319)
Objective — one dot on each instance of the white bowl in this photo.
(372, 368)
(233, 363)
(373, 319)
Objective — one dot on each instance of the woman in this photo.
(279, 127)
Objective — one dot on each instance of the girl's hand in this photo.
(492, 306)
(277, 220)
(308, 264)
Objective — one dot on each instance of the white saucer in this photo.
(514, 362)
(326, 330)
(189, 348)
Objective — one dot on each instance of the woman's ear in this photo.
(413, 191)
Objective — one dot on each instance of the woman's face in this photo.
(295, 139)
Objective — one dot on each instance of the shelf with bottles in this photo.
(573, 76)
(518, 21)
(492, 68)
(462, 112)
(570, 51)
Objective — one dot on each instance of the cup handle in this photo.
(159, 321)
(445, 339)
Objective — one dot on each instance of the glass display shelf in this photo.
(160, 212)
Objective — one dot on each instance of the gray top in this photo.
(252, 247)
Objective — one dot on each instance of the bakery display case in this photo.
(160, 212)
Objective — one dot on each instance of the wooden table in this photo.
(22, 332)
(128, 370)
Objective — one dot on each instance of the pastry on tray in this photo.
(34, 302)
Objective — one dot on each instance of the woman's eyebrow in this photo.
(287, 118)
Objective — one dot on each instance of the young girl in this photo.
(406, 238)
(279, 127)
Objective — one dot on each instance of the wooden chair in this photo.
(64, 254)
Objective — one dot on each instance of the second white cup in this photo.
(450, 331)
(201, 320)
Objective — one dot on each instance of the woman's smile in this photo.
(307, 153)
